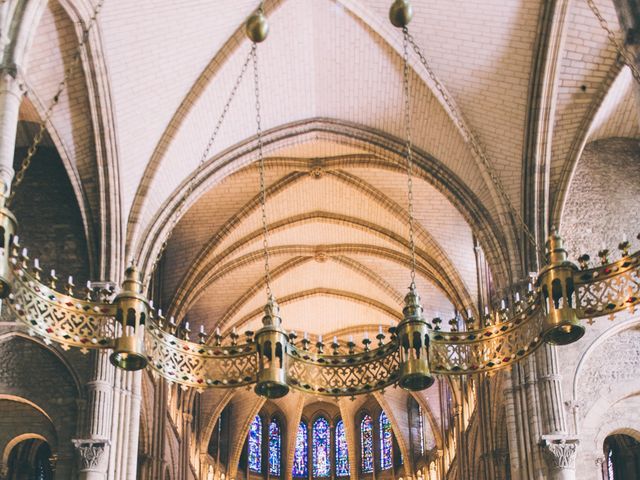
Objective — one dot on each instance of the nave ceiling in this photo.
(131, 131)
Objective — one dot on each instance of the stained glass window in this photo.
(321, 448)
(421, 429)
(300, 455)
(275, 447)
(610, 465)
(342, 452)
(255, 445)
(366, 444)
(386, 442)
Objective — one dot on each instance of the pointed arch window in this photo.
(300, 454)
(342, 451)
(366, 443)
(255, 445)
(275, 447)
(386, 442)
(321, 448)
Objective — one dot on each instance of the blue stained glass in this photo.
(275, 447)
(301, 455)
(386, 442)
(342, 451)
(255, 445)
(321, 448)
(366, 444)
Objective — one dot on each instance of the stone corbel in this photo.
(560, 451)
(90, 452)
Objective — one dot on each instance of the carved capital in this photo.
(560, 452)
(90, 452)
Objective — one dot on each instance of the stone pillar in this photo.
(550, 391)
(99, 412)
(560, 453)
(11, 91)
(125, 426)
(91, 453)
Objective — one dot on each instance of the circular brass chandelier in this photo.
(409, 355)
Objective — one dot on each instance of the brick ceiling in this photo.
(132, 129)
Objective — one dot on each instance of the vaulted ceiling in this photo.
(532, 82)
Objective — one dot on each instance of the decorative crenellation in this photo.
(561, 452)
(90, 452)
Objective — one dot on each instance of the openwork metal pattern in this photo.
(59, 317)
(609, 288)
(498, 345)
(199, 366)
(506, 335)
(344, 375)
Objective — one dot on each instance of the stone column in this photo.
(11, 91)
(560, 453)
(550, 391)
(91, 453)
(99, 413)
(125, 426)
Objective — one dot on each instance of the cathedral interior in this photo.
(320, 239)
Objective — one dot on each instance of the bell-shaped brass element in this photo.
(132, 314)
(561, 325)
(257, 27)
(8, 227)
(272, 345)
(413, 341)
(400, 13)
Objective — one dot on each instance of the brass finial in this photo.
(412, 308)
(257, 27)
(555, 249)
(271, 313)
(400, 13)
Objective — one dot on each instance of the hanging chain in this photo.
(203, 159)
(475, 144)
(408, 151)
(69, 73)
(613, 38)
(263, 192)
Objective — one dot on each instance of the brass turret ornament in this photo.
(559, 300)
(413, 343)
(272, 360)
(272, 349)
(132, 312)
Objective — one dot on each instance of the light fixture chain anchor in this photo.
(203, 159)
(69, 73)
(408, 151)
(263, 192)
(613, 38)
(475, 145)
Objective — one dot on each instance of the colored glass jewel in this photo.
(275, 447)
(300, 454)
(386, 442)
(321, 448)
(342, 452)
(366, 444)
(255, 444)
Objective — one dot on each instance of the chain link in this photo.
(408, 151)
(474, 142)
(263, 191)
(69, 72)
(613, 38)
(203, 159)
